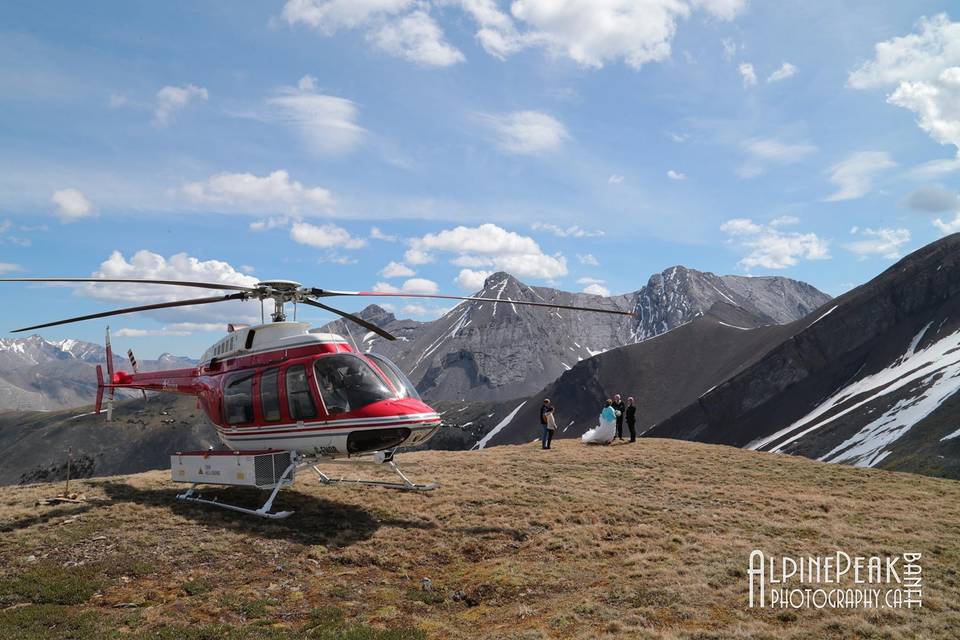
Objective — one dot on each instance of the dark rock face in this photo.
(483, 351)
(865, 379)
(664, 374)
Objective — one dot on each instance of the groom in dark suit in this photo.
(621, 409)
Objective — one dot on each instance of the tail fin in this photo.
(133, 363)
(109, 357)
(110, 376)
(99, 388)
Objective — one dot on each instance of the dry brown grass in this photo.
(649, 540)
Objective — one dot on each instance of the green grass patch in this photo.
(46, 621)
(197, 587)
(48, 583)
(429, 597)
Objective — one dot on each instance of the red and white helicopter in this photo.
(281, 395)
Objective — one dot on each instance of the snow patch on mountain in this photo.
(935, 370)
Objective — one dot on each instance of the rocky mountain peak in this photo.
(500, 279)
(377, 315)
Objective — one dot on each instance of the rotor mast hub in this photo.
(282, 292)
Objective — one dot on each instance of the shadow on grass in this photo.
(41, 518)
(314, 521)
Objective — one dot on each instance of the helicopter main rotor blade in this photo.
(178, 283)
(147, 307)
(372, 294)
(349, 316)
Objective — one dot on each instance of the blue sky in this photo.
(577, 144)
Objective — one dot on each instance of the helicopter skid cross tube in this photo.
(381, 457)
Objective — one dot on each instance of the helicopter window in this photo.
(270, 395)
(298, 394)
(401, 383)
(238, 399)
(347, 383)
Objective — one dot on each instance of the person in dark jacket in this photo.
(547, 423)
(620, 408)
(631, 416)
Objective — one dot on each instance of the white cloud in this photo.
(615, 179)
(327, 124)
(419, 285)
(741, 227)
(854, 175)
(273, 222)
(917, 56)
(377, 234)
(597, 290)
(729, 48)
(924, 66)
(385, 287)
(416, 37)
(329, 16)
(327, 236)
(748, 75)
(173, 329)
(935, 168)
(776, 151)
(246, 192)
(933, 199)
(117, 100)
(676, 175)
(127, 332)
(783, 221)
(171, 99)
(770, 248)
(526, 132)
(198, 327)
(949, 226)
(594, 286)
(937, 105)
(471, 280)
(396, 270)
(767, 151)
(574, 231)
(9, 267)
(413, 285)
(589, 32)
(878, 242)
(72, 205)
(417, 256)
(785, 71)
(149, 265)
(588, 259)
(491, 245)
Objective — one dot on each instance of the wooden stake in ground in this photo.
(66, 489)
(66, 496)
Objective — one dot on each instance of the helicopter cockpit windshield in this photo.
(401, 382)
(347, 383)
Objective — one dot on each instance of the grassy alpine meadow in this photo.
(648, 540)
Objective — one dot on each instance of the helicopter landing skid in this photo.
(263, 512)
(405, 485)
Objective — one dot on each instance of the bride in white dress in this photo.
(606, 430)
